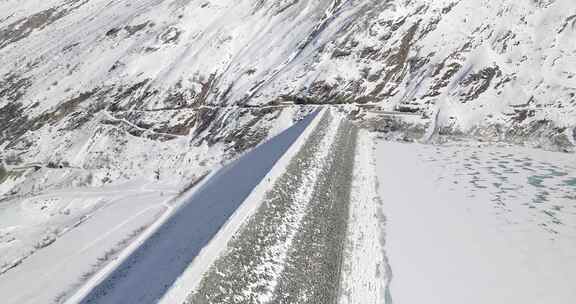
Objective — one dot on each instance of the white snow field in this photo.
(472, 223)
(90, 227)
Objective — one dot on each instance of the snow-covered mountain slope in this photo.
(109, 85)
(100, 92)
(122, 89)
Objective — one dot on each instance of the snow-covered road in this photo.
(146, 274)
(291, 249)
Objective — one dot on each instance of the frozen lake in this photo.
(469, 223)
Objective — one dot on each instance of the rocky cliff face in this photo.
(103, 91)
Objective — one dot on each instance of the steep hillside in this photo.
(105, 90)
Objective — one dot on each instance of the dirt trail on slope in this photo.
(290, 250)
